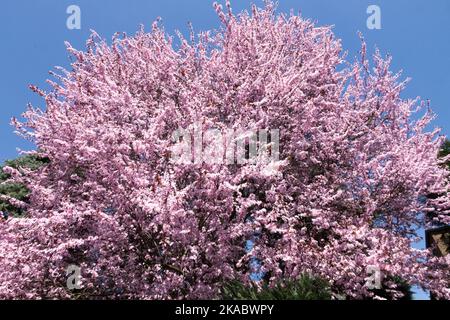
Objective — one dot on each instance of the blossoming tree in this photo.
(348, 192)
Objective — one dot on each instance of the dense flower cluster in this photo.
(348, 191)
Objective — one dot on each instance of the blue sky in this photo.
(414, 32)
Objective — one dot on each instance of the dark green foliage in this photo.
(16, 190)
(445, 150)
(305, 288)
(402, 286)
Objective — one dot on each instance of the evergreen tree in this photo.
(17, 190)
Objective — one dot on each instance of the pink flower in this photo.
(345, 194)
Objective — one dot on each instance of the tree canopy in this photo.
(344, 199)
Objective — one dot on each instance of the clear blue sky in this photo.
(415, 32)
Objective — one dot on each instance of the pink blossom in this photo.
(344, 196)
